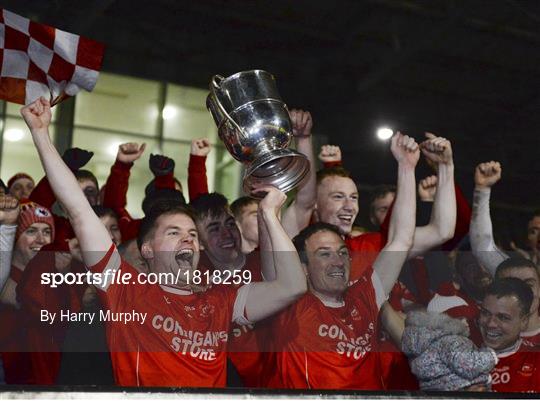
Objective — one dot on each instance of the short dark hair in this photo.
(162, 195)
(101, 211)
(213, 205)
(336, 171)
(151, 186)
(239, 204)
(148, 223)
(510, 286)
(300, 240)
(86, 175)
(3, 186)
(516, 262)
(380, 191)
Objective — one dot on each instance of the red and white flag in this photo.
(40, 60)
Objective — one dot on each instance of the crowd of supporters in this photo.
(268, 291)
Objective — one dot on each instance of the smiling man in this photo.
(183, 341)
(220, 235)
(337, 204)
(503, 316)
(328, 338)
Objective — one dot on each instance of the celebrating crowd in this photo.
(266, 292)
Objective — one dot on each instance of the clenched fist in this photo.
(273, 200)
(437, 150)
(9, 210)
(200, 147)
(487, 174)
(130, 152)
(330, 153)
(405, 150)
(427, 188)
(37, 114)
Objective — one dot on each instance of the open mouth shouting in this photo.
(184, 257)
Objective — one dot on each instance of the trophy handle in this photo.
(214, 85)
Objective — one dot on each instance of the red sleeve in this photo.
(463, 220)
(43, 194)
(332, 164)
(164, 181)
(129, 227)
(115, 197)
(63, 232)
(116, 187)
(197, 181)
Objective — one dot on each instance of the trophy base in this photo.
(284, 169)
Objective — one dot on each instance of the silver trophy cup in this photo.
(254, 124)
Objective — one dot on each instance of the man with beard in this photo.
(182, 341)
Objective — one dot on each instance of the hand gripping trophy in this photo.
(253, 123)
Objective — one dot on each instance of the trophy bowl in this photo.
(254, 125)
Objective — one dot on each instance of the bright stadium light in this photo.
(112, 149)
(384, 133)
(14, 134)
(168, 112)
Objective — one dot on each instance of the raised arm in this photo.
(268, 297)
(9, 213)
(197, 180)
(93, 237)
(116, 187)
(442, 224)
(402, 223)
(481, 230)
(298, 214)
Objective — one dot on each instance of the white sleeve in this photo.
(380, 295)
(481, 233)
(107, 267)
(238, 315)
(7, 241)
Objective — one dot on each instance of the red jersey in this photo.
(531, 338)
(517, 371)
(364, 250)
(182, 341)
(329, 346)
(247, 341)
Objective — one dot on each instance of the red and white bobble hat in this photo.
(32, 213)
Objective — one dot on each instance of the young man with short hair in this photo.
(244, 210)
(503, 316)
(177, 336)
